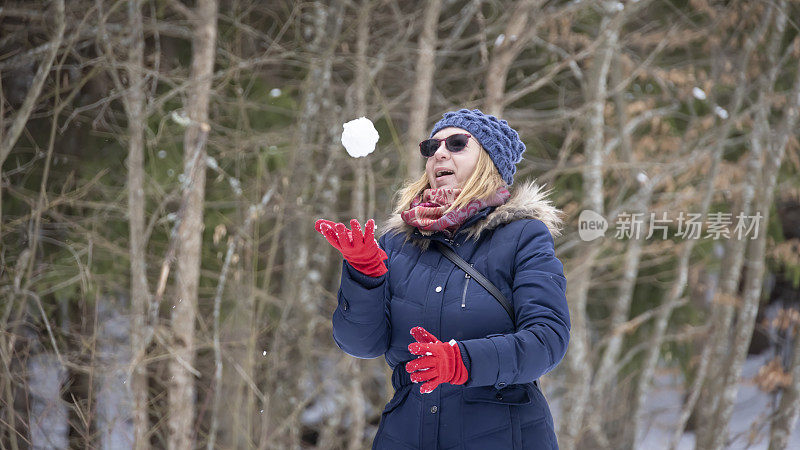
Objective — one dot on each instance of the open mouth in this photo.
(443, 172)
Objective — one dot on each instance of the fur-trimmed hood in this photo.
(528, 201)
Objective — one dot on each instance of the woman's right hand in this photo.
(361, 250)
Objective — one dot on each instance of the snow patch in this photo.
(235, 185)
(180, 118)
(212, 163)
(616, 6)
(698, 93)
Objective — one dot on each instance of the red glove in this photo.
(360, 250)
(439, 362)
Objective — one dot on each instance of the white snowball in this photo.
(721, 112)
(359, 137)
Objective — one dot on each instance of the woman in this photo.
(402, 298)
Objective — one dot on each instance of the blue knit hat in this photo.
(500, 140)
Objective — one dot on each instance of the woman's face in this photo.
(457, 166)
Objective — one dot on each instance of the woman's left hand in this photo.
(439, 362)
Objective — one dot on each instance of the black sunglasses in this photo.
(455, 143)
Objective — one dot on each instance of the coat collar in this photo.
(528, 201)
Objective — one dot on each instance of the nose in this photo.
(441, 152)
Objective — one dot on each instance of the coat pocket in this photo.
(513, 418)
(516, 394)
(490, 416)
(398, 399)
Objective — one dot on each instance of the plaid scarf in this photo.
(427, 211)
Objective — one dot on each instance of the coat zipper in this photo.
(464, 294)
(451, 241)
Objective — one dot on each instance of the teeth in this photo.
(443, 172)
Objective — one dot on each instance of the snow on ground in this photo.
(748, 428)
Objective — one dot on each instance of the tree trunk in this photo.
(577, 357)
(673, 295)
(578, 361)
(300, 266)
(236, 429)
(361, 86)
(775, 144)
(602, 389)
(423, 85)
(190, 230)
(723, 311)
(356, 401)
(134, 102)
(516, 36)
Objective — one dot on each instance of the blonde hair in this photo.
(484, 181)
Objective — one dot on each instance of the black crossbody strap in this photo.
(459, 261)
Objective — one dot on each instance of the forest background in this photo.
(163, 163)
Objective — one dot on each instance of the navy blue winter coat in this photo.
(500, 406)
